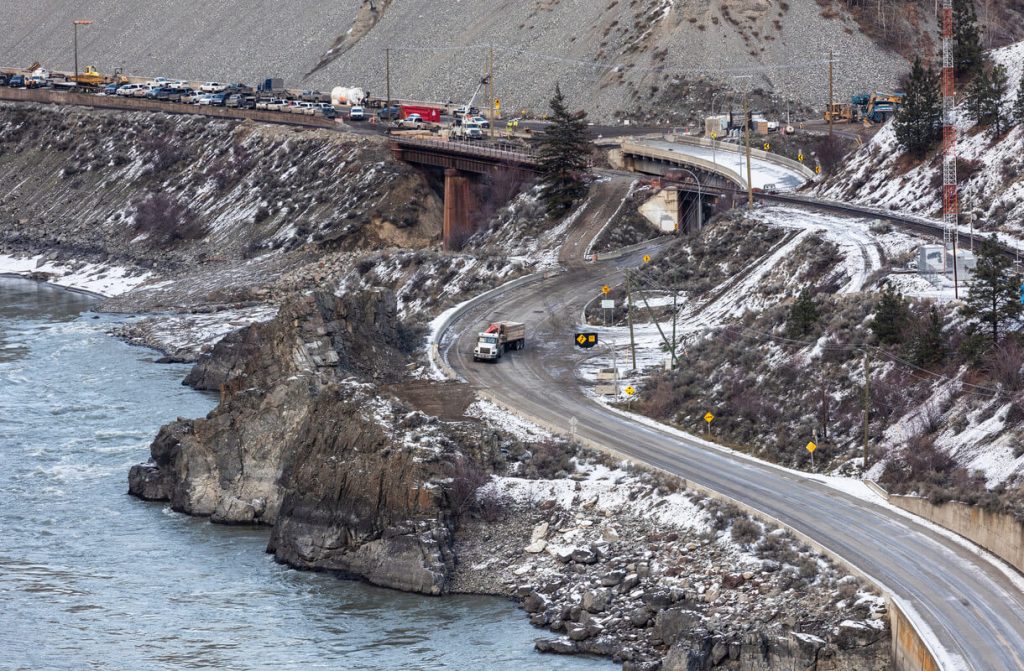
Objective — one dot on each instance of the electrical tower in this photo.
(950, 199)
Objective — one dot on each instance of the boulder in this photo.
(539, 532)
(674, 624)
(596, 600)
(536, 546)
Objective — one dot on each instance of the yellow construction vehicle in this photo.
(91, 77)
(839, 112)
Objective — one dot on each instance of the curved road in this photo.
(974, 610)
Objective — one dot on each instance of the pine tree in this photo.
(802, 315)
(967, 52)
(976, 97)
(999, 86)
(890, 321)
(1018, 106)
(994, 298)
(929, 347)
(918, 124)
(564, 149)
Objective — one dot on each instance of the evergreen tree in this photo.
(929, 347)
(967, 52)
(802, 314)
(986, 98)
(1018, 106)
(994, 298)
(918, 124)
(890, 321)
(564, 149)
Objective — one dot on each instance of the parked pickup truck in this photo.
(499, 337)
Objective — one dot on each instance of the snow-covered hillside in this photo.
(991, 171)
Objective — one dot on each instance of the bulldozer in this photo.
(840, 112)
(91, 77)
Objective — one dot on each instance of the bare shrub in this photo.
(465, 478)
(166, 220)
(746, 531)
(1004, 364)
(549, 460)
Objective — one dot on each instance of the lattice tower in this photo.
(950, 198)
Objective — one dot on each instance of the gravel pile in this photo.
(613, 58)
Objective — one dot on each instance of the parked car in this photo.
(158, 82)
(463, 110)
(212, 87)
(178, 95)
(156, 92)
(411, 121)
(203, 99)
(17, 81)
(480, 121)
(109, 90)
(218, 99)
(141, 92)
(277, 105)
(129, 89)
(310, 96)
(328, 112)
(189, 96)
(356, 114)
(389, 113)
(4, 79)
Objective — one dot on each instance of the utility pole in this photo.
(746, 135)
(867, 404)
(387, 76)
(831, 115)
(950, 197)
(76, 23)
(629, 317)
(490, 87)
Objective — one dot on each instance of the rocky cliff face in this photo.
(351, 482)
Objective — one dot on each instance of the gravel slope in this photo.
(607, 55)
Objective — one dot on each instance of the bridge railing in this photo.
(681, 158)
(469, 149)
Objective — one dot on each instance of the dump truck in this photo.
(497, 338)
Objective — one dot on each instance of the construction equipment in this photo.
(90, 76)
(877, 107)
(839, 112)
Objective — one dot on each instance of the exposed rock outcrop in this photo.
(350, 481)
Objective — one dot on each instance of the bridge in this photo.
(462, 162)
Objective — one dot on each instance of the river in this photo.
(91, 578)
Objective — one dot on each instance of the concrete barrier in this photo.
(1000, 534)
(910, 652)
(759, 153)
(54, 97)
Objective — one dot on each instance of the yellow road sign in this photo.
(581, 338)
(647, 258)
(497, 103)
(767, 146)
(714, 135)
(817, 170)
(800, 157)
(630, 390)
(606, 290)
(709, 418)
(811, 447)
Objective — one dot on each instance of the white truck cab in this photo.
(498, 338)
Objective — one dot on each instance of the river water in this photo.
(91, 578)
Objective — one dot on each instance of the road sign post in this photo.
(585, 339)
(708, 417)
(811, 447)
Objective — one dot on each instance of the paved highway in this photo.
(974, 610)
(762, 172)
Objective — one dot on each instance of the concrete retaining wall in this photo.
(909, 651)
(53, 97)
(1000, 534)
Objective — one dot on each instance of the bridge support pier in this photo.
(458, 205)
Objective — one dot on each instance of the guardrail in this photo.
(56, 97)
(758, 153)
(679, 157)
(468, 149)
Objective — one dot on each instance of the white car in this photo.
(205, 99)
(212, 87)
(179, 84)
(357, 114)
(480, 121)
(159, 82)
(142, 91)
(130, 89)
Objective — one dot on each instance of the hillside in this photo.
(618, 59)
(990, 171)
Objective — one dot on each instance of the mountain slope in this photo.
(614, 57)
